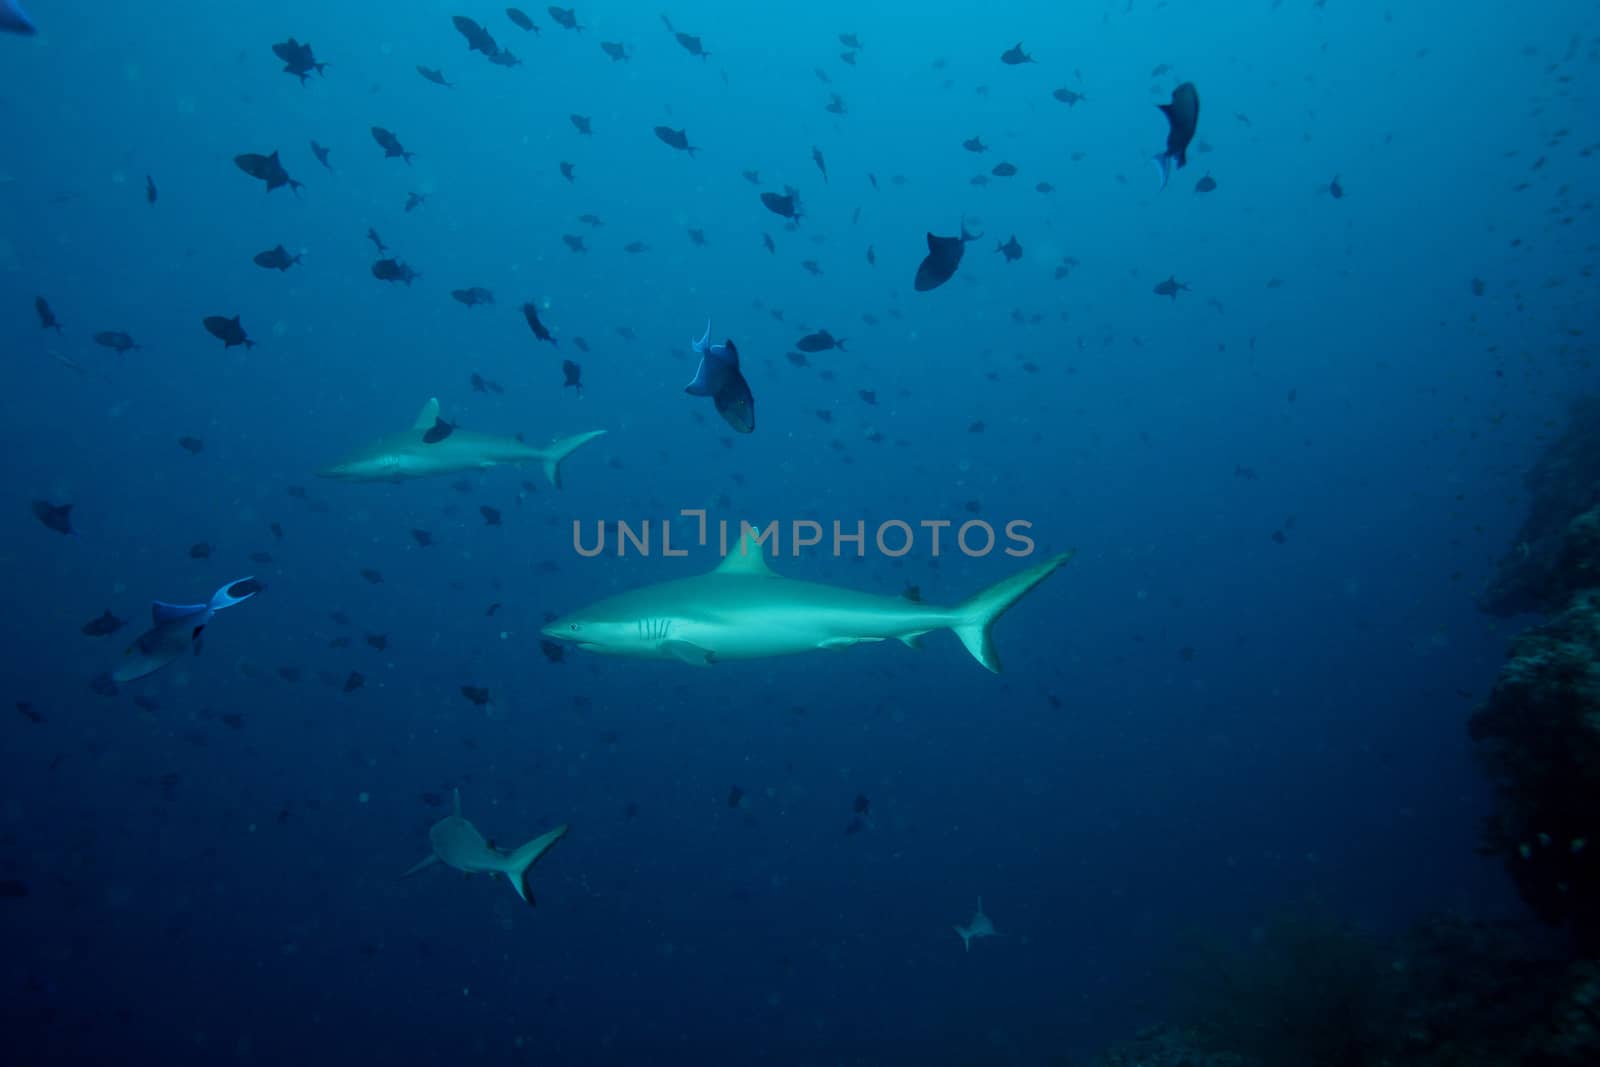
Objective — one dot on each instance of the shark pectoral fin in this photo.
(428, 416)
(560, 450)
(912, 640)
(428, 861)
(689, 653)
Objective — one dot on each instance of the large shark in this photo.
(978, 926)
(457, 843)
(177, 629)
(743, 610)
(432, 446)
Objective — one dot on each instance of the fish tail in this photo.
(519, 862)
(560, 450)
(975, 617)
(1163, 162)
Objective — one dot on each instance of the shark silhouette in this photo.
(978, 926)
(743, 610)
(432, 446)
(457, 843)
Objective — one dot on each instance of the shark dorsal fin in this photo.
(455, 803)
(747, 558)
(428, 415)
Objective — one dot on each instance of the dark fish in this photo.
(479, 383)
(191, 445)
(268, 169)
(150, 194)
(635, 247)
(735, 797)
(816, 157)
(437, 432)
(553, 651)
(1011, 250)
(944, 256)
(1068, 97)
(591, 220)
(1045, 187)
(117, 341)
(912, 593)
(375, 577)
(1011, 57)
(378, 641)
(565, 17)
(25, 709)
(392, 270)
(617, 51)
(298, 59)
(785, 204)
(1004, 170)
(974, 144)
(390, 144)
(473, 297)
(322, 155)
(820, 341)
(104, 626)
(435, 76)
(521, 20)
(422, 537)
(574, 242)
(862, 806)
(1170, 287)
(1205, 185)
(47, 318)
(228, 331)
(200, 550)
(277, 530)
(573, 375)
(477, 694)
(848, 57)
(1335, 189)
(678, 139)
(867, 396)
(751, 176)
(478, 39)
(812, 267)
(354, 681)
(372, 235)
(531, 313)
(872, 257)
(414, 201)
(491, 516)
(766, 239)
(504, 58)
(581, 124)
(1183, 115)
(566, 171)
(276, 259)
(850, 40)
(719, 377)
(835, 105)
(692, 45)
(697, 238)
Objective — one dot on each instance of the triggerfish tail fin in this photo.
(235, 592)
(14, 20)
(1163, 162)
(977, 614)
(560, 450)
(701, 345)
(519, 862)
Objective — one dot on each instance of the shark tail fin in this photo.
(966, 937)
(975, 616)
(560, 450)
(518, 863)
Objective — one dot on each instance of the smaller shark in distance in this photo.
(177, 630)
(978, 926)
(457, 843)
(432, 446)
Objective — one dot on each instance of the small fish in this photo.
(835, 105)
(150, 194)
(574, 242)
(392, 270)
(505, 58)
(766, 239)
(820, 341)
(435, 76)
(390, 144)
(201, 550)
(974, 144)
(491, 516)
(372, 235)
(1068, 97)
(378, 641)
(581, 123)
(566, 172)
(1004, 170)
(104, 626)
(1045, 188)
(1010, 249)
(228, 331)
(616, 50)
(117, 341)
(473, 297)
(565, 17)
(816, 157)
(751, 176)
(785, 205)
(1183, 116)
(422, 537)
(635, 247)
(277, 259)
(437, 432)
(678, 139)
(354, 681)
(521, 20)
(553, 651)
(872, 257)
(298, 59)
(1171, 287)
(373, 576)
(1336, 189)
(691, 44)
(573, 375)
(591, 220)
(478, 38)
(1015, 56)
(812, 267)
(268, 169)
(697, 238)
(191, 445)
(47, 318)
(476, 694)
(1206, 184)
(944, 256)
(867, 396)
(735, 797)
(414, 201)
(850, 40)
(322, 155)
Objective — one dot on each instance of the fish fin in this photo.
(1163, 163)
(977, 614)
(518, 863)
(427, 861)
(912, 640)
(701, 345)
(161, 612)
(227, 598)
(701, 384)
(966, 938)
(746, 558)
(560, 450)
(1166, 109)
(687, 652)
(428, 416)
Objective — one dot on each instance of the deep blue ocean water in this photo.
(1198, 722)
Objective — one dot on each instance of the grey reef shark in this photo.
(432, 446)
(457, 843)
